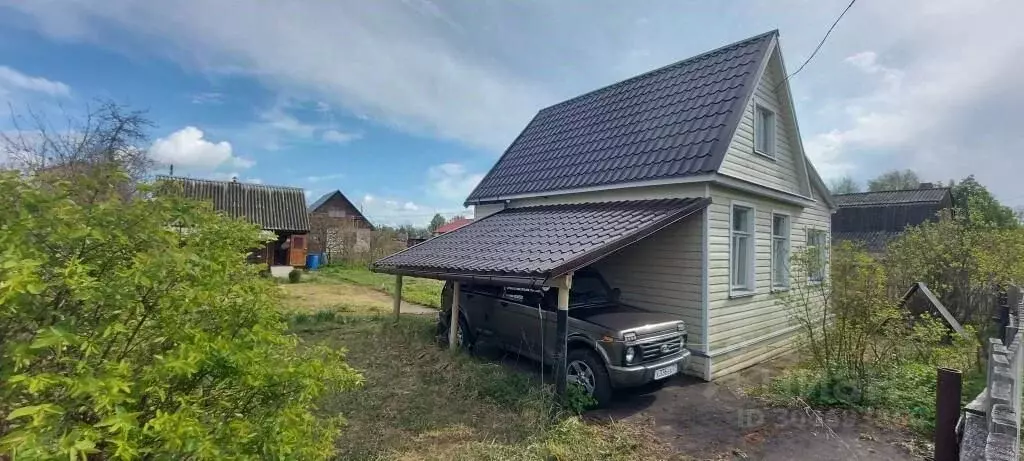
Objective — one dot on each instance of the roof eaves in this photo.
(616, 245)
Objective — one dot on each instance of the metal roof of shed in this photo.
(671, 122)
(528, 246)
(275, 208)
(892, 197)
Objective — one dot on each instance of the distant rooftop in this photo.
(892, 197)
(276, 208)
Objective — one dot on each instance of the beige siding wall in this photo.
(784, 172)
(664, 273)
(739, 327)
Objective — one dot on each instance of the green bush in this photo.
(135, 329)
(295, 276)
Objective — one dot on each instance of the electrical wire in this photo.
(820, 44)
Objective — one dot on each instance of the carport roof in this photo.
(528, 246)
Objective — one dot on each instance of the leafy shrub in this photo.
(577, 400)
(295, 276)
(135, 329)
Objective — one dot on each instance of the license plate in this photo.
(662, 373)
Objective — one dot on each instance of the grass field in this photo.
(425, 292)
(421, 402)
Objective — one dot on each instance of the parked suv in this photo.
(611, 345)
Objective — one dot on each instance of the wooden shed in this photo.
(279, 210)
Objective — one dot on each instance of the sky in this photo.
(404, 105)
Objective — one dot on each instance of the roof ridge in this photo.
(667, 66)
(895, 190)
(254, 184)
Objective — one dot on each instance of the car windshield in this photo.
(588, 290)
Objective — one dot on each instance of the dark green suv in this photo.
(611, 345)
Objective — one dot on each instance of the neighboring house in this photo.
(451, 226)
(338, 225)
(279, 210)
(686, 186)
(872, 219)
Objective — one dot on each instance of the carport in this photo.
(537, 246)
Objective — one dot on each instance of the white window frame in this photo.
(786, 240)
(771, 140)
(823, 254)
(750, 288)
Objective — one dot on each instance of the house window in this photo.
(780, 251)
(817, 255)
(742, 249)
(764, 131)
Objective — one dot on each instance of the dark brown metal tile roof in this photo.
(892, 197)
(675, 121)
(275, 208)
(532, 244)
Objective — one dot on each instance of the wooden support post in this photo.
(562, 334)
(947, 413)
(398, 296)
(453, 323)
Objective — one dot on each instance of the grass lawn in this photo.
(421, 402)
(425, 292)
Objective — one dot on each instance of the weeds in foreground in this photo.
(423, 402)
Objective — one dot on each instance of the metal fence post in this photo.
(947, 413)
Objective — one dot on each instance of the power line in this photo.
(820, 44)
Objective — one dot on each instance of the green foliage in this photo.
(863, 350)
(895, 180)
(980, 207)
(844, 185)
(295, 276)
(577, 400)
(435, 222)
(135, 329)
(961, 262)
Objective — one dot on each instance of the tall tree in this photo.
(107, 137)
(435, 222)
(844, 185)
(895, 180)
(980, 207)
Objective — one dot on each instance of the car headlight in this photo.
(685, 338)
(630, 354)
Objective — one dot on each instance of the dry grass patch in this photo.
(423, 403)
(341, 297)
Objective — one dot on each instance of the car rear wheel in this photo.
(464, 338)
(586, 370)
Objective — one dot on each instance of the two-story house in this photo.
(686, 186)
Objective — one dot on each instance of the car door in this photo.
(517, 320)
(477, 303)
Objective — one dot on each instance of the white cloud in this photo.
(328, 177)
(278, 119)
(11, 80)
(187, 148)
(400, 63)
(452, 181)
(208, 98)
(339, 137)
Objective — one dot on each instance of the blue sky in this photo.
(404, 105)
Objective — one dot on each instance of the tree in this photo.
(844, 185)
(980, 207)
(895, 180)
(435, 222)
(135, 329)
(107, 138)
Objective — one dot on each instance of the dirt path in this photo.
(709, 421)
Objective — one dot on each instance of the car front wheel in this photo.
(586, 370)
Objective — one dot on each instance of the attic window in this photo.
(764, 131)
